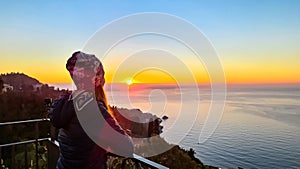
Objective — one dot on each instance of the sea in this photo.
(259, 126)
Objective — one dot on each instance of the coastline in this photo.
(174, 157)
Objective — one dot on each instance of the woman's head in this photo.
(87, 73)
(86, 70)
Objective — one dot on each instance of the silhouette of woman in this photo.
(77, 149)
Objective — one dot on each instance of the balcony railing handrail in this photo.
(24, 121)
(24, 142)
(147, 162)
(135, 158)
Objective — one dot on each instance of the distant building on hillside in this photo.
(37, 87)
(7, 87)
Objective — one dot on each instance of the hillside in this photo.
(18, 80)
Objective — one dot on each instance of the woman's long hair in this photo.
(101, 96)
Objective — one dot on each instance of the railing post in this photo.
(36, 143)
(123, 163)
(13, 157)
(52, 133)
(26, 156)
(53, 154)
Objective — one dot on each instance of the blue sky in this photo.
(47, 32)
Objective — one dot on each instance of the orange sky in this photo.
(235, 72)
(253, 47)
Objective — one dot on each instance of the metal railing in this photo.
(53, 148)
(36, 141)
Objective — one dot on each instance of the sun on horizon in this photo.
(129, 82)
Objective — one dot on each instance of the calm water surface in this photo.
(260, 126)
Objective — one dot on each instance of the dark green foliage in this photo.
(23, 156)
(175, 157)
(20, 105)
(17, 106)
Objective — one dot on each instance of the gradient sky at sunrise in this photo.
(257, 41)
